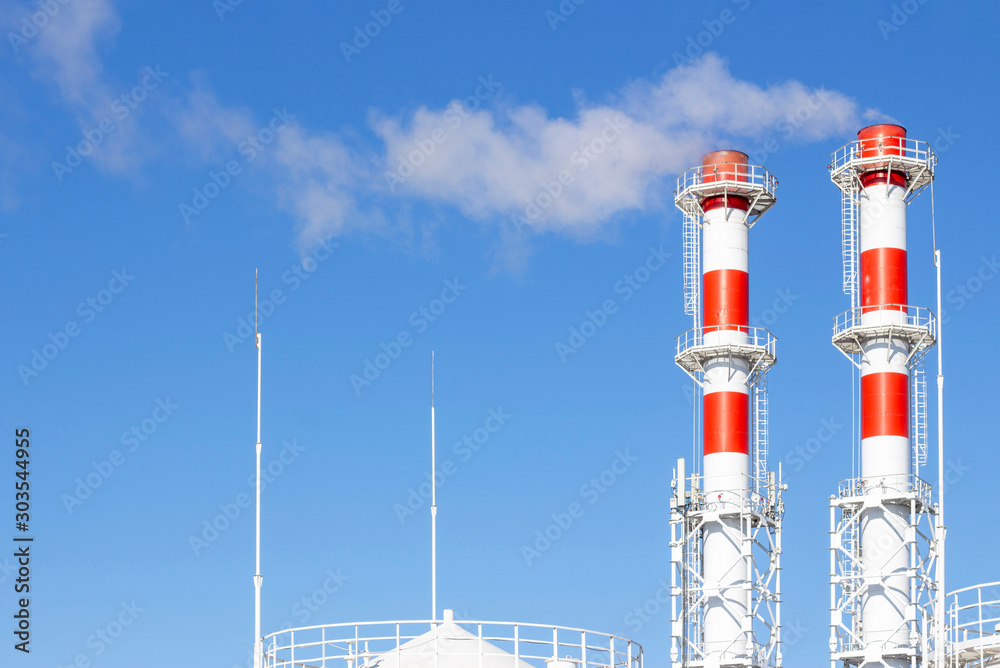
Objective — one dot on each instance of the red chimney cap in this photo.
(882, 130)
(723, 157)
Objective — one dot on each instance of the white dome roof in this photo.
(455, 648)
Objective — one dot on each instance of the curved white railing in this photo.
(897, 149)
(914, 318)
(356, 645)
(733, 177)
(760, 495)
(973, 625)
(756, 337)
(891, 486)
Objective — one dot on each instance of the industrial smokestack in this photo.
(718, 515)
(878, 528)
(726, 402)
(725, 281)
(885, 382)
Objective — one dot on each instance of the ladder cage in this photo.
(760, 431)
(918, 410)
(692, 266)
(849, 241)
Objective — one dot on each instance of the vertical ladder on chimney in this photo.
(849, 242)
(760, 413)
(918, 411)
(692, 267)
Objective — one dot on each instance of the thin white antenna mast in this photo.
(257, 578)
(941, 528)
(434, 508)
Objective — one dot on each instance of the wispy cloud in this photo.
(67, 49)
(573, 176)
(497, 164)
(617, 154)
(317, 178)
(210, 128)
(65, 53)
(705, 99)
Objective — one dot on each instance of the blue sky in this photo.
(292, 140)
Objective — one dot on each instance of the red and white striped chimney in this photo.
(725, 519)
(885, 384)
(885, 405)
(726, 403)
(725, 290)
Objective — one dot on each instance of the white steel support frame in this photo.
(758, 535)
(849, 585)
(916, 330)
(752, 524)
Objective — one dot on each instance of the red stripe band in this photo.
(726, 299)
(881, 176)
(885, 405)
(726, 422)
(730, 201)
(883, 278)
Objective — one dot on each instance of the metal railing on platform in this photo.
(478, 644)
